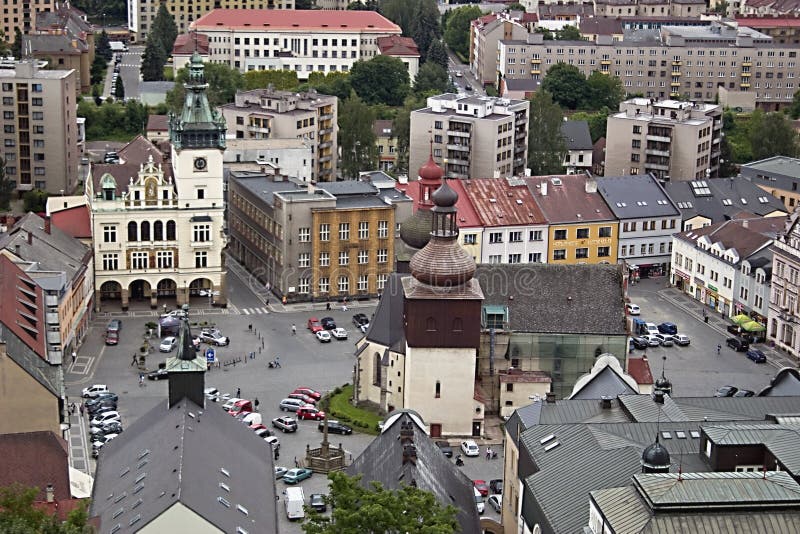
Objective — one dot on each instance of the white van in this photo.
(294, 503)
(478, 500)
(230, 402)
(252, 419)
(652, 329)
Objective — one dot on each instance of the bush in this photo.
(150, 325)
(337, 390)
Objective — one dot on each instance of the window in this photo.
(133, 231)
(515, 258)
(583, 233)
(158, 231)
(535, 257)
(603, 252)
(138, 260)
(303, 286)
(605, 231)
(383, 229)
(324, 232)
(560, 254)
(110, 262)
(344, 231)
(304, 235)
(109, 234)
(535, 235)
(344, 258)
(362, 282)
(324, 284)
(144, 232)
(495, 237)
(438, 390)
(201, 259)
(363, 257)
(170, 230)
(201, 194)
(363, 230)
(560, 235)
(201, 233)
(582, 253)
(164, 259)
(344, 284)
(383, 255)
(324, 259)
(304, 259)
(515, 237)
(495, 258)
(470, 239)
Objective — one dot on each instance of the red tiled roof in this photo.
(74, 221)
(467, 216)
(639, 369)
(498, 203)
(569, 202)
(530, 17)
(480, 21)
(185, 44)
(296, 20)
(769, 22)
(157, 123)
(394, 45)
(35, 459)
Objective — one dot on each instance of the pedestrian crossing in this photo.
(254, 311)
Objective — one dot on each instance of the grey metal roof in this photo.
(734, 409)
(785, 383)
(260, 185)
(386, 326)
(581, 411)
(49, 376)
(382, 461)
(564, 299)
(778, 172)
(605, 383)
(576, 135)
(349, 202)
(348, 187)
(780, 440)
(202, 458)
(636, 196)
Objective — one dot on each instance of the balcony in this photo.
(747, 63)
(326, 117)
(258, 129)
(458, 133)
(656, 166)
(326, 131)
(519, 161)
(519, 136)
(461, 148)
(456, 161)
(676, 73)
(746, 74)
(744, 85)
(654, 152)
(674, 84)
(323, 159)
(605, 62)
(659, 138)
(326, 144)
(536, 71)
(54, 338)
(677, 63)
(536, 60)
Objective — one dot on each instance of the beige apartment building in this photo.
(485, 32)
(142, 13)
(40, 128)
(271, 114)
(649, 8)
(671, 139)
(22, 14)
(679, 62)
(471, 136)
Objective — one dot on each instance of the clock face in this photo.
(200, 164)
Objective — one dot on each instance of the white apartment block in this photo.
(301, 41)
(784, 313)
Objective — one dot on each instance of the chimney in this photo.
(50, 493)
(605, 402)
(543, 188)
(16, 249)
(47, 224)
(745, 223)
(658, 396)
(30, 238)
(551, 397)
(409, 454)
(591, 185)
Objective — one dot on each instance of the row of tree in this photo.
(113, 120)
(158, 48)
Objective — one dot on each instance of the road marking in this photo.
(245, 311)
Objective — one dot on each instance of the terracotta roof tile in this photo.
(499, 203)
(157, 123)
(394, 45)
(639, 369)
(185, 44)
(296, 20)
(35, 459)
(568, 202)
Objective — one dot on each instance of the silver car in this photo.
(168, 344)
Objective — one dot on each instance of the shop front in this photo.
(681, 280)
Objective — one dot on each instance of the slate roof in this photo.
(202, 458)
(605, 383)
(636, 196)
(747, 236)
(35, 459)
(781, 440)
(54, 44)
(521, 84)
(576, 135)
(600, 25)
(383, 128)
(49, 376)
(569, 202)
(382, 461)
(348, 187)
(387, 326)
(712, 203)
(566, 299)
(132, 156)
(785, 383)
(502, 202)
(259, 185)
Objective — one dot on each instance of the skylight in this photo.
(552, 446)
(727, 202)
(666, 435)
(763, 200)
(700, 188)
(695, 434)
(680, 434)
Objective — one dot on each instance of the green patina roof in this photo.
(197, 125)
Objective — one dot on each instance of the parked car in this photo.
(726, 391)
(757, 356)
(339, 333)
(335, 427)
(179, 313)
(291, 405)
(274, 442)
(102, 408)
(230, 402)
(496, 486)
(640, 342)
(103, 397)
(111, 157)
(744, 393)
(481, 486)
(317, 502)
(359, 319)
(467, 87)
(114, 325)
(309, 412)
(309, 401)
(668, 328)
(496, 502)
(94, 391)
(323, 336)
(105, 418)
(243, 405)
(158, 374)
(665, 339)
(681, 339)
(316, 395)
(112, 338)
(298, 474)
(98, 444)
(632, 309)
(652, 340)
(328, 323)
(734, 329)
(285, 424)
(168, 344)
(263, 432)
(737, 344)
(280, 471)
(445, 447)
(114, 427)
(470, 448)
(314, 325)
(212, 394)
(213, 337)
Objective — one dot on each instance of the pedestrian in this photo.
(81, 409)
(74, 355)
(238, 393)
(719, 348)
(488, 453)
(344, 307)
(141, 379)
(277, 361)
(253, 355)
(262, 343)
(294, 330)
(277, 455)
(256, 403)
(328, 306)
(250, 327)
(133, 359)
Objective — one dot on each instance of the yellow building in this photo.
(582, 227)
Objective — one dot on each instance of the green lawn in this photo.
(339, 407)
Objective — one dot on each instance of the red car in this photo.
(481, 486)
(258, 426)
(304, 398)
(316, 395)
(309, 412)
(314, 325)
(112, 338)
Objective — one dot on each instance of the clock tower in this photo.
(197, 135)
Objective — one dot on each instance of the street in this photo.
(129, 69)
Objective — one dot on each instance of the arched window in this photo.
(145, 231)
(430, 324)
(376, 369)
(458, 325)
(170, 230)
(158, 231)
(133, 234)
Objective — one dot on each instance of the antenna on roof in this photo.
(195, 40)
(680, 467)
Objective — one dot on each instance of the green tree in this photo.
(16, 47)
(304, 4)
(771, 134)
(546, 147)
(597, 122)
(437, 53)
(516, 6)
(569, 33)
(6, 187)
(359, 6)
(794, 109)
(119, 90)
(419, 19)
(102, 47)
(283, 80)
(401, 126)
(164, 29)
(153, 59)
(333, 83)
(381, 79)
(548, 35)
(356, 509)
(727, 167)
(98, 69)
(223, 82)
(605, 90)
(431, 77)
(19, 513)
(456, 34)
(5, 49)
(567, 85)
(35, 201)
(356, 137)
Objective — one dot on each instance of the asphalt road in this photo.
(454, 66)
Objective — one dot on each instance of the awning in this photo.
(741, 319)
(200, 218)
(753, 326)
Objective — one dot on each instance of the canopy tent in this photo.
(753, 326)
(741, 319)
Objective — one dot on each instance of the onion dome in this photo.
(445, 196)
(655, 458)
(430, 172)
(416, 230)
(663, 384)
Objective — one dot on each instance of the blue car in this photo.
(668, 328)
(757, 356)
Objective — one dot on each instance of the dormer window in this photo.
(108, 186)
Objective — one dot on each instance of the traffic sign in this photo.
(210, 355)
